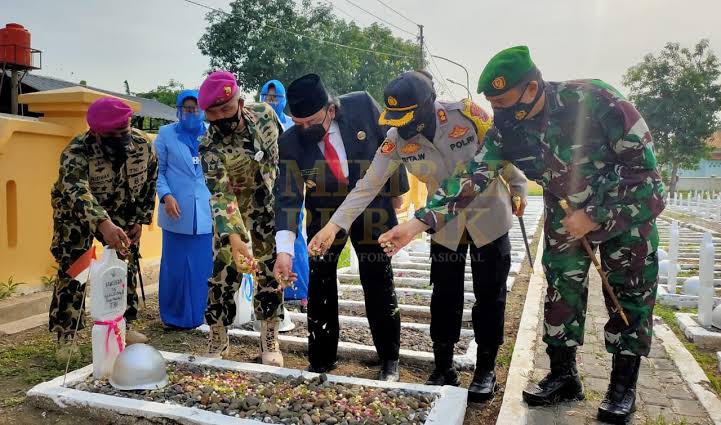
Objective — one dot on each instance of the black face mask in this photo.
(510, 117)
(314, 133)
(423, 122)
(226, 126)
(116, 143)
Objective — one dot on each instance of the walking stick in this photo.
(136, 253)
(604, 279)
(517, 204)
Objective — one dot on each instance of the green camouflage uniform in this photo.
(240, 171)
(591, 147)
(89, 190)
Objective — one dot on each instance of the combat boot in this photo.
(443, 373)
(620, 400)
(561, 384)
(484, 384)
(269, 346)
(66, 349)
(218, 342)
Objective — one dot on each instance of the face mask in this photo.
(191, 121)
(226, 126)
(511, 116)
(423, 122)
(116, 143)
(315, 132)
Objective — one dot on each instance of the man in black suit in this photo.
(322, 157)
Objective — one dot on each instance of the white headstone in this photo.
(672, 270)
(716, 317)
(108, 292)
(706, 289)
(664, 266)
(690, 286)
(661, 254)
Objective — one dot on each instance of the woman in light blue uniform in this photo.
(273, 93)
(184, 216)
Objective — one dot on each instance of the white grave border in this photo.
(449, 408)
(350, 350)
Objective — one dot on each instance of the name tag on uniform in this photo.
(196, 160)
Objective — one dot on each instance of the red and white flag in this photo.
(80, 269)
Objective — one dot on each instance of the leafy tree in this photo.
(248, 43)
(164, 94)
(678, 94)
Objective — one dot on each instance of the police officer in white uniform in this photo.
(431, 139)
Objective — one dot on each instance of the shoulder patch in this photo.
(442, 116)
(387, 147)
(480, 119)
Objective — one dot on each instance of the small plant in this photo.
(8, 287)
(50, 280)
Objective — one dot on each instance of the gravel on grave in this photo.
(411, 339)
(409, 299)
(277, 399)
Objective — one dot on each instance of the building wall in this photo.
(699, 183)
(29, 159)
(707, 168)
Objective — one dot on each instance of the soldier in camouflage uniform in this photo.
(105, 190)
(240, 161)
(585, 143)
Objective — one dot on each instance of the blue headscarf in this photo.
(191, 125)
(279, 106)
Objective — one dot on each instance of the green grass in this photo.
(344, 260)
(705, 358)
(504, 357)
(534, 189)
(26, 364)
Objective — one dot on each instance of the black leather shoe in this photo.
(323, 369)
(561, 384)
(620, 399)
(389, 371)
(444, 377)
(443, 373)
(483, 386)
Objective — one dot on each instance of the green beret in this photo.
(505, 70)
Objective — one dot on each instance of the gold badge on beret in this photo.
(499, 83)
(392, 101)
(520, 115)
(361, 135)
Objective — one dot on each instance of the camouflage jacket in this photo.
(243, 159)
(589, 146)
(90, 190)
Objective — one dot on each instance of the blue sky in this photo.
(148, 42)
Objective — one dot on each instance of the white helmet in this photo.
(139, 367)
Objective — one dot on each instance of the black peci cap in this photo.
(306, 96)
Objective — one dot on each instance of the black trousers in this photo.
(376, 276)
(490, 265)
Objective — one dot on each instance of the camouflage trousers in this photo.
(631, 264)
(71, 240)
(256, 204)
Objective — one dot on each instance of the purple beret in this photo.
(218, 88)
(107, 114)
